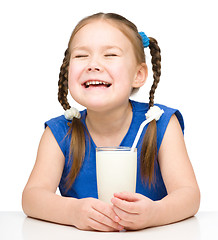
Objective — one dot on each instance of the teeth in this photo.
(95, 83)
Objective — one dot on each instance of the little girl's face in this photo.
(102, 67)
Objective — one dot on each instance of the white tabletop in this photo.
(16, 226)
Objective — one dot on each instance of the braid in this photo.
(149, 146)
(63, 82)
(76, 127)
(156, 67)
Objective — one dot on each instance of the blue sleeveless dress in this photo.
(85, 184)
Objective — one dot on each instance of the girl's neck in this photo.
(109, 128)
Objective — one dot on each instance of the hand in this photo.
(134, 210)
(93, 214)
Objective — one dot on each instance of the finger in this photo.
(127, 225)
(129, 207)
(101, 218)
(95, 225)
(128, 196)
(125, 216)
(107, 210)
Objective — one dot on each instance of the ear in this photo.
(141, 76)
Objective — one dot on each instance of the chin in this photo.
(95, 104)
(99, 107)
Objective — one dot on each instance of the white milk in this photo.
(116, 171)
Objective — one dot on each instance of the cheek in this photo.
(124, 74)
(118, 71)
(74, 73)
(74, 77)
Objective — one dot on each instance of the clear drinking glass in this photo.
(116, 169)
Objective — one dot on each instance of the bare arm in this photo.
(137, 211)
(183, 197)
(40, 201)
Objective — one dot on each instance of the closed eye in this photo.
(81, 56)
(111, 55)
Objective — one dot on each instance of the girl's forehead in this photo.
(100, 31)
(101, 23)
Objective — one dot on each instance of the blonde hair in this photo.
(77, 129)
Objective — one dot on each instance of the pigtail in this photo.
(156, 67)
(149, 146)
(76, 130)
(63, 82)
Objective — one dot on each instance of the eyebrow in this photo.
(106, 47)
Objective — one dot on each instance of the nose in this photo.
(94, 66)
(90, 69)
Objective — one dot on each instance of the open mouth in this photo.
(95, 83)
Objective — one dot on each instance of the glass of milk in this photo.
(116, 169)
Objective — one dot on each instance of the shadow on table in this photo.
(34, 229)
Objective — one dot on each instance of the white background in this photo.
(34, 36)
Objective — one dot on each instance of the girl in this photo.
(104, 63)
